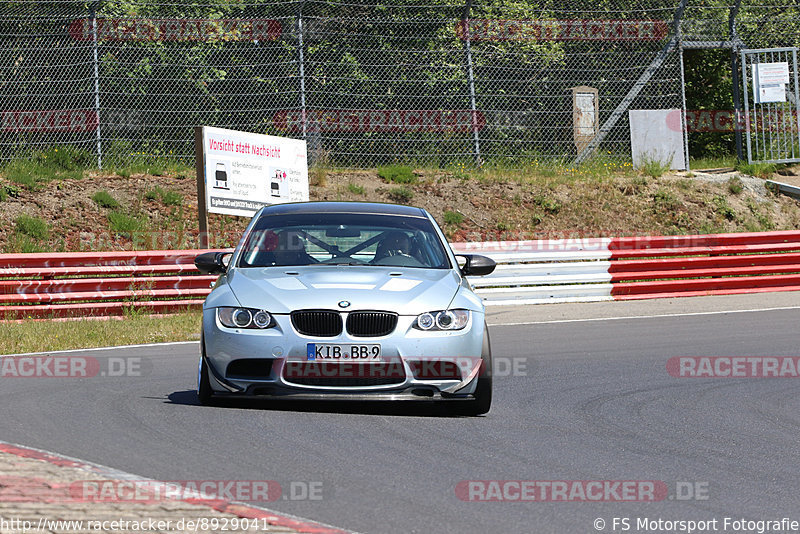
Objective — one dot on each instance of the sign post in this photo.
(200, 165)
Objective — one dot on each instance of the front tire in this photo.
(482, 398)
(204, 392)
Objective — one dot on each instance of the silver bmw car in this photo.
(345, 301)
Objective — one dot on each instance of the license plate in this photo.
(343, 352)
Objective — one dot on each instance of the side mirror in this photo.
(477, 265)
(212, 262)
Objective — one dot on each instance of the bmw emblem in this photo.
(344, 303)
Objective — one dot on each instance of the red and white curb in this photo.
(229, 507)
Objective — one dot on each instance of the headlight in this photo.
(443, 320)
(244, 318)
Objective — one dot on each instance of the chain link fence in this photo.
(422, 82)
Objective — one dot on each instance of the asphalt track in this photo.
(591, 400)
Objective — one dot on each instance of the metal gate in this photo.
(769, 79)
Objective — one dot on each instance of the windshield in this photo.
(343, 239)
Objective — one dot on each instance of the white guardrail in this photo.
(543, 271)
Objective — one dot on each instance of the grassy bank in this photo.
(51, 203)
(41, 336)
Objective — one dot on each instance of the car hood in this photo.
(404, 291)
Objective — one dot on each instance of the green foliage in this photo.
(356, 189)
(550, 205)
(401, 195)
(33, 227)
(19, 175)
(125, 225)
(9, 190)
(65, 158)
(761, 170)
(654, 168)
(453, 217)
(763, 222)
(709, 87)
(168, 198)
(722, 207)
(665, 200)
(105, 200)
(55, 163)
(704, 163)
(172, 198)
(397, 174)
(735, 185)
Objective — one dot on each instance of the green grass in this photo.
(55, 163)
(168, 198)
(760, 170)
(33, 227)
(763, 222)
(124, 224)
(654, 168)
(172, 198)
(722, 207)
(20, 243)
(550, 205)
(155, 167)
(401, 195)
(66, 158)
(665, 200)
(30, 235)
(453, 217)
(105, 200)
(356, 189)
(10, 191)
(735, 185)
(41, 336)
(700, 164)
(398, 174)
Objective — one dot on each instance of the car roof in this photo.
(370, 208)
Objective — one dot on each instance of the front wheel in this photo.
(204, 392)
(482, 398)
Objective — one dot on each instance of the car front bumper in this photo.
(419, 364)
